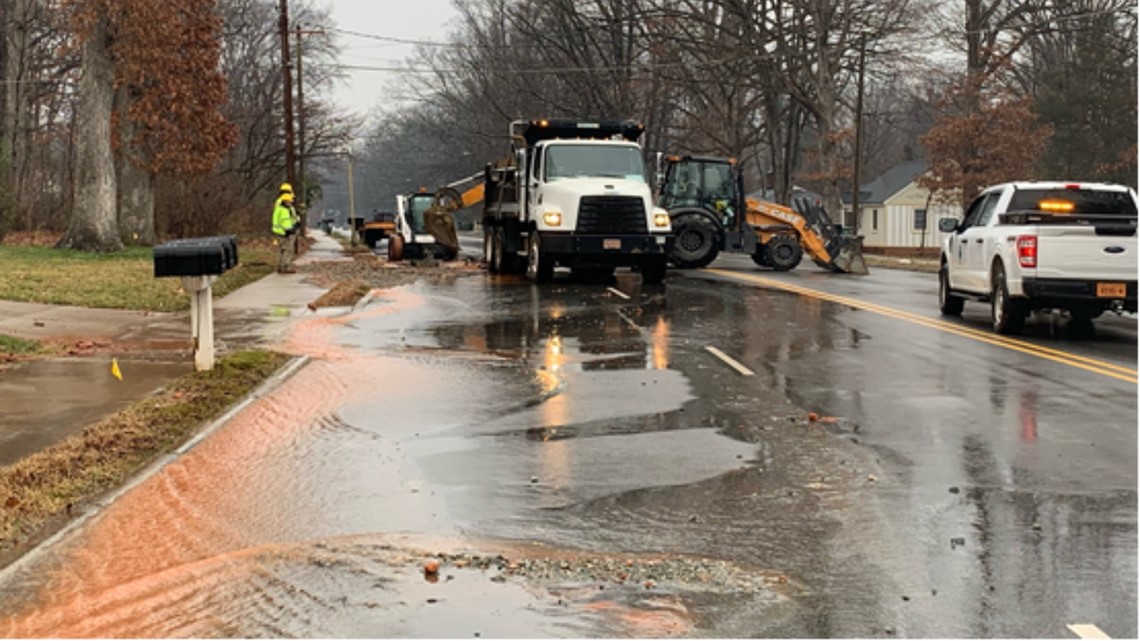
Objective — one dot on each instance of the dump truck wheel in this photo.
(653, 271)
(539, 266)
(489, 249)
(395, 248)
(784, 252)
(498, 261)
(695, 242)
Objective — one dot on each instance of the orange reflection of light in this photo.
(1027, 412)
(555, 356)
(660, 344)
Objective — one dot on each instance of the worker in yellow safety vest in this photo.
(284, 226)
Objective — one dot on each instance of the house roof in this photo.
(891, 182)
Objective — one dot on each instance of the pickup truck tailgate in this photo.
(1077, 252)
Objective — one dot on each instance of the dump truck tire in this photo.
(695, 242)
(784, 252)
(653, 270)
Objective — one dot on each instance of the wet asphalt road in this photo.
(955, 488)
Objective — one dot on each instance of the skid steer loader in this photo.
(710, 213)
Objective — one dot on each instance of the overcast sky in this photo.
(403, 19)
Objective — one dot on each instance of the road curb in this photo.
(99, 505)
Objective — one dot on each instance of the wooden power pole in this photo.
(856, 219)
(290, 152)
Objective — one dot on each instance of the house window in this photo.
(920, 220)
(874, 220)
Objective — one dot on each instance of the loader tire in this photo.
(760, 257)
(696, 242)
(784, 252)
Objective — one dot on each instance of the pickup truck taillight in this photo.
(1027, 251)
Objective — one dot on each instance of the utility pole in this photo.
(290, 152)
(856, 219)
(301, 112)
(351, 203)
(301, 124)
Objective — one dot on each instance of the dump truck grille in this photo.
(611, 215)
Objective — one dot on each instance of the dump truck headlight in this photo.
(552, 218)
(661, 220)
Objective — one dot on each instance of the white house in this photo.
(896, 213)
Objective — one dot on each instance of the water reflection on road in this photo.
(487, 410)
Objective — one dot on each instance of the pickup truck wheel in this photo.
(1008, 314)
(694, 243)
(784, 252)
(948, 303)
(539, 267)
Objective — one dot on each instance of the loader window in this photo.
(417, 206)
(594, 161)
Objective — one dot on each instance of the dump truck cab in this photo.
(574, 194)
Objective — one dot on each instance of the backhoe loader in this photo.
(705, 200)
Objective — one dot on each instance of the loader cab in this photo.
(418, 204)
(710, 184)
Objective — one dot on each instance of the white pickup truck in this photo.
(1030, 246)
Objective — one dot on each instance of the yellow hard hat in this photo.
(286, 188)
(287, 197)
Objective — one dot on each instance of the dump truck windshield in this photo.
(594, 161)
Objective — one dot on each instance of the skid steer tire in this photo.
(695, 243)
(395, 248)
(784, 252)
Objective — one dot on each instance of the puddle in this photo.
(49, 400)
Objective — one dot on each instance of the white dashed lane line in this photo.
(1088, 631)
(744, 371)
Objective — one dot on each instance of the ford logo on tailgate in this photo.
(1114, 250)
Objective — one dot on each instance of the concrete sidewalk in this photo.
(47, 400)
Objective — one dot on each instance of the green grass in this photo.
(120, 280)
(47, 485)
(13, 345)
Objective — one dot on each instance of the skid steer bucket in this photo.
(847, 255)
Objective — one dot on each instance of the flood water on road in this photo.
(621, 480)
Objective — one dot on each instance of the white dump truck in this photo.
(573, 194)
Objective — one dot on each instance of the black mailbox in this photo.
(194, 257)
(229, 243)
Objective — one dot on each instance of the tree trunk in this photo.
(93, 225)
(135, 181)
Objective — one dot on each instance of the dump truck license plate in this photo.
(615, 243)
(1110, 290)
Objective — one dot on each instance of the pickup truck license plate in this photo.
(615, 243)
(1110, 290)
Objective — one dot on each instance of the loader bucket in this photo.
(848, 256)
(441, 224)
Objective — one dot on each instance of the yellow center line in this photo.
(1119, 372)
